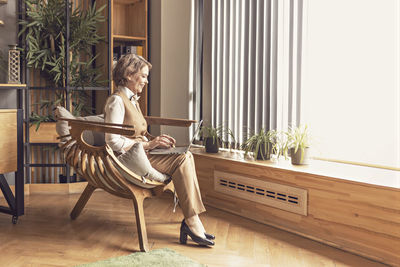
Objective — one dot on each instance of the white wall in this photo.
(351, 87)
(155, 59)
(174, 52)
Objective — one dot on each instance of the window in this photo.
(351, 89)
(330, 64)
(255, 65)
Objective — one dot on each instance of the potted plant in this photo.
(281, 144)
(299, 143)
(261, 144)
(45, 34)
(213, 137)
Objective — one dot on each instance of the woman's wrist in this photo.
(147, 145)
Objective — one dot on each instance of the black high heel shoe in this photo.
(209, 236)
(185, 231)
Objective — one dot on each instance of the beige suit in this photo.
(180, 167)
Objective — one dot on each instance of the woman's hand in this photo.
(170, 138)
(162, 141)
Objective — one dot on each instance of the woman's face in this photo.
(137, 81)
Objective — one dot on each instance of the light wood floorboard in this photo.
(45, 236)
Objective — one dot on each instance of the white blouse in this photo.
(115, 111)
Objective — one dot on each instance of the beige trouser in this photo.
(182, 169)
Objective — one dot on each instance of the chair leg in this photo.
(140, 222)
(83, 199)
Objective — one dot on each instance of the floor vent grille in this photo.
(279, 196)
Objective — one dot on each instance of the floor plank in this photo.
(45, 236)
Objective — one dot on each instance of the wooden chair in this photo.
(101, 168)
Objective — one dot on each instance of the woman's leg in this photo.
(183, 172)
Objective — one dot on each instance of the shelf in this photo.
(88, 88)
(7, 86)
(41, 144)
(127, 38)
(45, 165)
(127, 2)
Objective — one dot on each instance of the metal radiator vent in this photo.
(276, 195)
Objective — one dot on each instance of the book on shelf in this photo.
(131, 49)
(120, 51)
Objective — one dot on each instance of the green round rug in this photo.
(156, 258)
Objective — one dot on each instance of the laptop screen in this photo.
(194, 135)
(196, 132)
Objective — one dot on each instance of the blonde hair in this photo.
(126, 66)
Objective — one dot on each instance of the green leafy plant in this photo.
(298, 138)
(281, 144)
(45, 32)
(261, 144)
(216, 134)
(36, 119)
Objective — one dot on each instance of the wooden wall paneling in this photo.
(43, 170)
(40, 170)
(56, 160)
(31, 170)
(53, 160)
(56, 171)
(34, 170)
(48, 176)
(360, 218)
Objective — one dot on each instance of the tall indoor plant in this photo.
(45, 32)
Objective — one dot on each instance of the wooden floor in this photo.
(45, 236)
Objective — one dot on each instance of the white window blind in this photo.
(255, 64)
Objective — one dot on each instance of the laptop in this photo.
(176, 150)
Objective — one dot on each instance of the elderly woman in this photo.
(130, 76)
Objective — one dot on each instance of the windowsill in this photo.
(347, 172)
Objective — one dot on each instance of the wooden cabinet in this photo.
(8, 140)
(11, 159)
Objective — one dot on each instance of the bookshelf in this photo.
(129, 29)
(126, 28)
